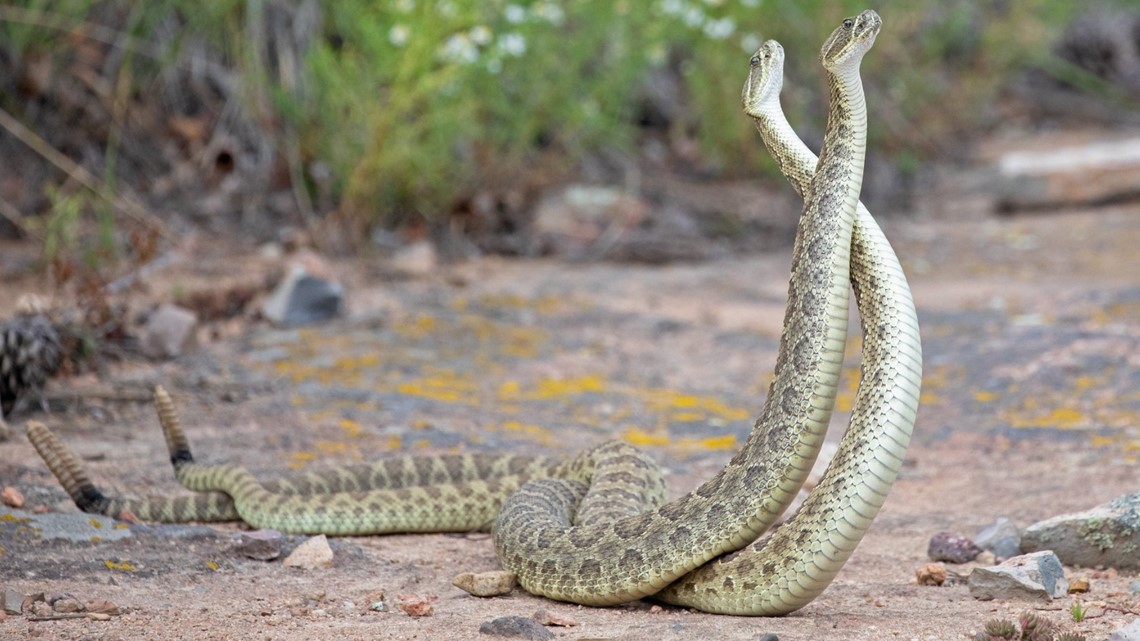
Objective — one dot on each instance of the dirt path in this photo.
(1032, 343)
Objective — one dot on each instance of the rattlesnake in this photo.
(621, 543)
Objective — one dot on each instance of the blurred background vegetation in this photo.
(354, 115)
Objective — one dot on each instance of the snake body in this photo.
(592, 529)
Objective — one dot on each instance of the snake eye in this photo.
(755, 60)
(849, 23)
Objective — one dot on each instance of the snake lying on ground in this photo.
(609, 550)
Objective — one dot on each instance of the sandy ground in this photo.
(1031, 330)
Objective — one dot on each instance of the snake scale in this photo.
(595, 529)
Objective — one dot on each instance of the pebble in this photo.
(262, 545)
(485, 584)
(1134, 587)
(952, 548)
(1031, 576)
(304, 297)
(516, 627)
(416, 606)
(11, 497)
(169, 332)
(102, 606)
(931, 574)
(1079, 585)
(98, 616)
(1001, 537)
(312, 554)
(13, 602)
(546, 617)
(67, 605)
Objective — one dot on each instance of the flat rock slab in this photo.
(1107, 535)
(1032, 576)
(71, 527)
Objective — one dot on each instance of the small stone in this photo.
(312, 554)
(768, 636)
(13, 602)
(169, 332)
(485, 584)
(1079, 585)
(1001, 537)
(985, 557)
(98, 616)
(952, 548)
(30, 600)
(417, 258)
(1130, 632)
(1030, 576)
(11, 497)
(102, 606)
(41, 609)
(304, 298)
(931, 574)
(67, 605)
(262, 545)
(516, 627)
(546, 617)
(416, 606)
(1108, 535)
(1134, 587)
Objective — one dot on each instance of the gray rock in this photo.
(952, 548)
(1134, 587)
(1001, 537)
(262, 545)
(169, 332)
(516, 627)
(75, 527)
(1130, 632)
(1107, 535)
(1031, 576)
(303, 298)
(13, 602)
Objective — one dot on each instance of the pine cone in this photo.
(29, 353)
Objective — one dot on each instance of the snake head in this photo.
(851, 40)
(765, 79)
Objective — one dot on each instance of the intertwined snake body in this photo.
(596, 532)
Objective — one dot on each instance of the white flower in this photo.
(514, 14)
(549, 11)
(405, 6)
(480, 34)
(672, 7)
(459, 48)
(694, 17)
(512, 44)
(398, 35)
(446, 8)
(750, 42)
(720, 29)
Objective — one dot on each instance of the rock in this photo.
(415, 259)
(768, 636)
(493, 583)
(1134, 587)
(262, 545)
(66, 605)
(546, 617)
(1079, 585)
(1001, 537)
(1130, 632)
(102, 606)
(169, 332)
(98, 616)
(952, 548)
(1031, 576)
(1091, 172)
(11, 497)
(516, 627)
(416, 606)
(931, 574)
(313, 553)
(304, 298)
(13, 602)
(1107, 535)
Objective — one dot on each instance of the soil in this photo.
(1031, 328)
